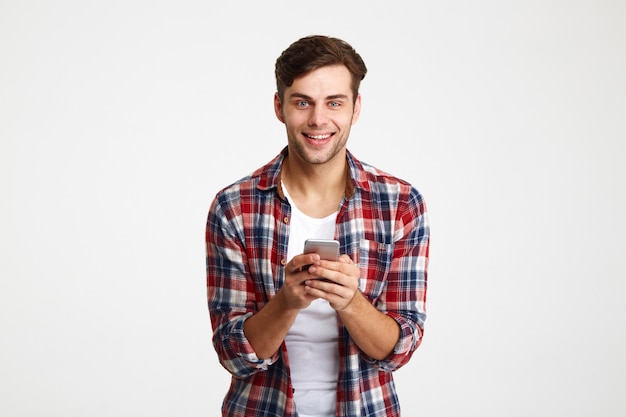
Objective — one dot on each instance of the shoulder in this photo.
(260, 181)
(381, 184)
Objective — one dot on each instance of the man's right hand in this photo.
(267, 328)
(296, 273)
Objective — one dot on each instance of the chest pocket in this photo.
(374, 263)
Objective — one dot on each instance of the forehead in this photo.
(323, 82)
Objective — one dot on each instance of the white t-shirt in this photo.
(312, 340)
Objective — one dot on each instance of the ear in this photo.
(357, 109)
(278, 108)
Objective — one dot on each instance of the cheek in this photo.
(294, 120)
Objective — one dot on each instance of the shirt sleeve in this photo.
(404, 296)
(230, 292)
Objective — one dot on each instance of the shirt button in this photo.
(286, 219)
(283, 262)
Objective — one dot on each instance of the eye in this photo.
(334, 104)
(302, 103)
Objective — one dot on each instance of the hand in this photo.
(340, 281)
(294, 291)
(267, 328)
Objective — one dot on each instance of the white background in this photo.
(120, 120)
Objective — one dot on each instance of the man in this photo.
(295, 344)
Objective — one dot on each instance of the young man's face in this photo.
(318, 112)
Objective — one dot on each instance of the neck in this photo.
(316, 190)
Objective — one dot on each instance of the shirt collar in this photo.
(269, 175)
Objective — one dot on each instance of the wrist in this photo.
(354, 306)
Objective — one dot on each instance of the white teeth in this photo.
(319, 137)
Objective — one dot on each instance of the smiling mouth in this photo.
(318, 137)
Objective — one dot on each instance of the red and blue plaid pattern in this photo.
(382, 225)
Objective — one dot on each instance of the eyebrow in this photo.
(331, 97)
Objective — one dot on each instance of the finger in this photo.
(345, 258)
(337, 295)
(342, 272)
(321, 288)
(322, 272)
(301, 262)
(346, 269)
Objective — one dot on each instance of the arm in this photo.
(248, 331)
(232, 297)
(385, 316)
(266, 330)
(375, 333)
(403, 297)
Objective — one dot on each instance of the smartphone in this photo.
(328, 249)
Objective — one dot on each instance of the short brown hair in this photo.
(313, 52)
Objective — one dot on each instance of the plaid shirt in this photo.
(382, 224)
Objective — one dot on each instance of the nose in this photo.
(317, 117)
